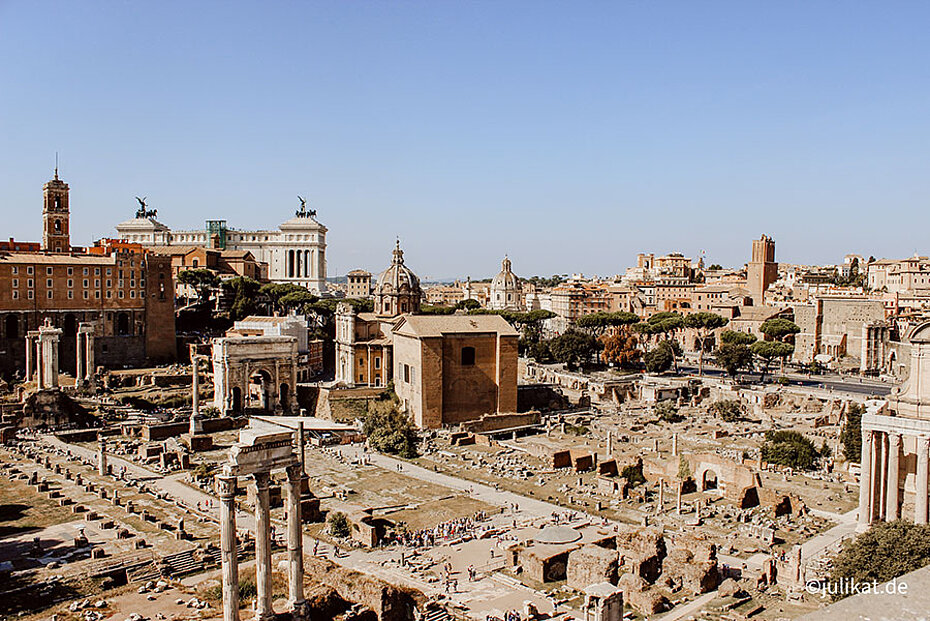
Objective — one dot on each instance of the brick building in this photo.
(451, 369)
(127, 296)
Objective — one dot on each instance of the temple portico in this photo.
(256, 455)
(895, 457)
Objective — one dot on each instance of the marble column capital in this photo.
(226, 486)
(262, 480)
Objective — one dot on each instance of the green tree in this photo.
(467, 305)
(574, 348)
(598, 323)
(243, 292)
(728, 410)
(779, 328)
(767, 351)
(391, 432)
(659, 359)
(201, 280)
(733, 357)
(668, 324)
(791, 449)
(887, 550)
(704, 324)
(715, 267)
(731, 337)
(275, 292)
(296, 300)
(338, 524)
(633, 473)
(851, 435)
(429, 309)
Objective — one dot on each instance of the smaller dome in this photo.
(397, 277)
(505, 280)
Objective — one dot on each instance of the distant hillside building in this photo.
(295, 253)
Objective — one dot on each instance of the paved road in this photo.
(830, 381)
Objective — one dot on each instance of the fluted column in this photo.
(79, 366)
(89, 350)
(892, 510)
(876, 475)
(226, 490)
(295, 545)
(920, 503)
(883, 475)
(40, 364)
(263, 609)
(865, 481)
(195, 426)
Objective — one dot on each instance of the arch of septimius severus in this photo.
(895, 459)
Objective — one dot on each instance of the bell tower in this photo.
(56, 214)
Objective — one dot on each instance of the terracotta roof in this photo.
(437, 325)
(56, 259)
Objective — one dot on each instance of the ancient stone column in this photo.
(226, 490)
(882, 472)
(661, 502)
(865, 481)
(674, 445)
(263, 609)
(196, 426)
(610, 443)
(89, 352)
(30, 353)
(295, 544)
(79, 362)
(892, 510)
(681, 485)
(301, 444)
(102, 458)
(876, 474)
(920, 502)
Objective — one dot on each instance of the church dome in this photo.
(505, 280)
(398, 288)
(505, 290)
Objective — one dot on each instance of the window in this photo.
(109, 271)
(85, 283)
(109, 295)
(48, 283)
(86, 271)
(132, 293)
(15, 270)
(15, 282)
(121, 294)
(48, 271)
(407, 373)
(97, 294)
(96, 271)
(49, 292)
(468, 356)
(29, 283)
(85, 295)
(70, 271)
(97, 283)
(71, 295)
(70, 283)
(377, 363)
(29, 294)
(109, 283)
(16, 295)
(29, 270)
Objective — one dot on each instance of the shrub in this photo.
(789, 448)
(667, 412)
(728, 410)
(391, 432)
(634, 474)
(887, 550)
(338, 524)
(851, 436)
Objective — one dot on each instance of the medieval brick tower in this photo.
(762, 270)
(56, 215)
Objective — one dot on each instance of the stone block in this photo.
(591, 564)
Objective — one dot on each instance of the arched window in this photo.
(58, 226)
(122, 324)
(468, 356)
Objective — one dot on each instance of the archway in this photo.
(11, 327)
(236, 399)
(70, 326)
(283, 396)
(708, 480)
(122, 324)
(260, 389)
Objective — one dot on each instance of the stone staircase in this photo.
(437, 614)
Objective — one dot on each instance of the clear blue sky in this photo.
(571, 135)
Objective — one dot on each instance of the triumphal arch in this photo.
(256, 455)
(255, 373)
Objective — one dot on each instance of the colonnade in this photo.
(42, 355)
(226, 486)
(880, 490)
